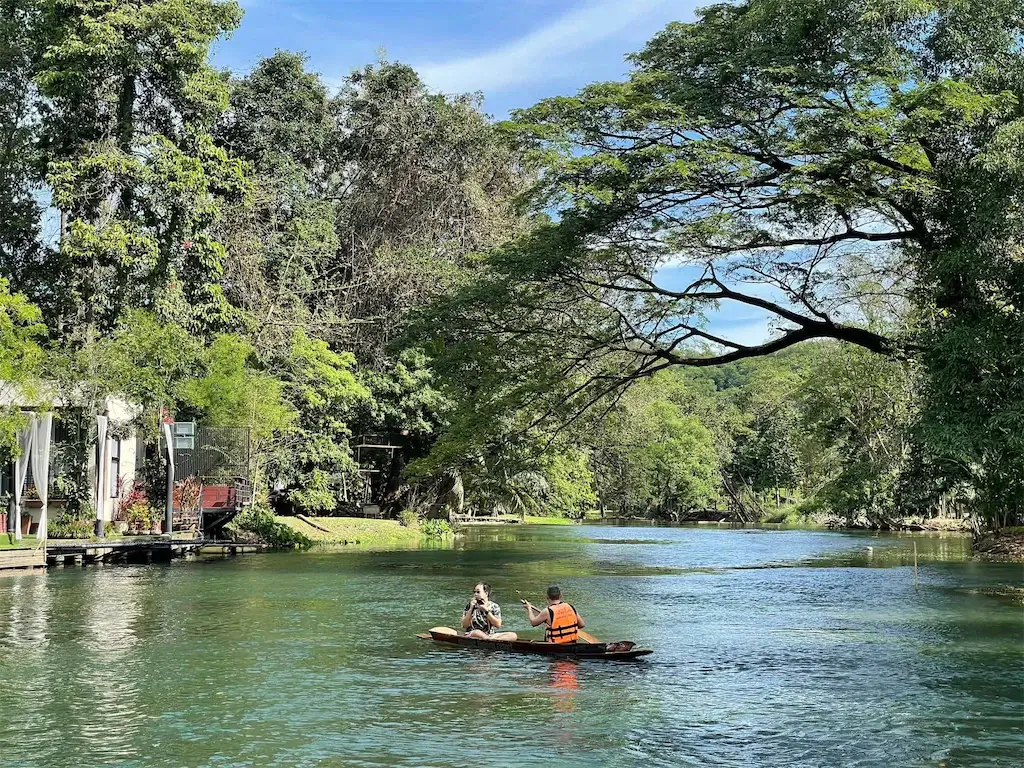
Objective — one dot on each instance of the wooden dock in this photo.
(486, 519)
(70, 552)
(22, 558)
(81, 552)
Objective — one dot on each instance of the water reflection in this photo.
(565, 684)
(795, 648)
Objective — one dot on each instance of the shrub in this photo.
(409, 519)
(141, 518)
(259, 521)
(66, 526)
(436, 528)
(134, 497)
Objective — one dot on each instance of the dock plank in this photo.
(22, 558)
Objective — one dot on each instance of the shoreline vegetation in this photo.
(410, 309)
(1006, 545)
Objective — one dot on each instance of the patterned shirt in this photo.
(480, 618)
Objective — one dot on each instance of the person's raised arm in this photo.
(467, 617)
(536, 617)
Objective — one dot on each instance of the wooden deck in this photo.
(67, 552)
(486, 519)
(22, 558)
(82, 552)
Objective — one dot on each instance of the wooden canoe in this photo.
(622, 651)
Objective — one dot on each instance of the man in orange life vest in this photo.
(563, 623)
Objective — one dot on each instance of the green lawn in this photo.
(7, 542)
(536, 520)
(354, 530)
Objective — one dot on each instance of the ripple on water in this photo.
(770, 649)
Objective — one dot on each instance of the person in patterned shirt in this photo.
(482, 616)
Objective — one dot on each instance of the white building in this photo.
(69, 440)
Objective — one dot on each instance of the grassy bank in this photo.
(7, 542)
(346, 531)
(537, 520)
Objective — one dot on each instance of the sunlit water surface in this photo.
(771, 648)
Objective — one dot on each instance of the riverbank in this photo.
(538, 520)
(347, 531)
(371, 533)
(1006, 545)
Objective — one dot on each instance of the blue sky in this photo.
(515, 52)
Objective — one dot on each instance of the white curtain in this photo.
(21, 475)
(42, 425)
(101, 468)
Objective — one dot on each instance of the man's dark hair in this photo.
(554, 593)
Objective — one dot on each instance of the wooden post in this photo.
(915, 562)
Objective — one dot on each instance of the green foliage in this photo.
(259, 521)
(21, 356)
(127, 101)
(653, 454)
(20, 211)
(405, 397)
(570, 484)
(857, 413)
(72, 524)
(147, 360)
(232, 393)
(971, 287)
(431, 527)
(436, 528)
(314, 456)
(251, 250)
(805, 158)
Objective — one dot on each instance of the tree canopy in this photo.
(528, 308)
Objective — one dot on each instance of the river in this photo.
(771, 648)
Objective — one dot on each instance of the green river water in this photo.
(771, 648)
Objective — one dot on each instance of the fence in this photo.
(219, 456)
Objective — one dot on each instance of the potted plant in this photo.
(137, 519)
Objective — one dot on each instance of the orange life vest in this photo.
(565, 625)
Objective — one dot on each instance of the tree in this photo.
(281, 241)
(765, 447)
(20, 214)
(21, 356)
(652, 454)
(570, 481)
(314, 457)
(787, 154)
(857, 414)
(425, 182)
(234, 392)
(127, 99)
(971, 281)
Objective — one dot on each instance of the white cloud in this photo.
(531, 58)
